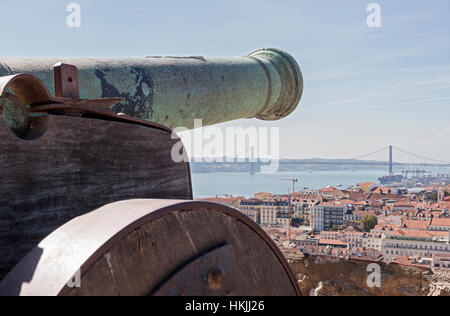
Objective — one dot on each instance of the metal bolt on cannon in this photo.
(89, 187)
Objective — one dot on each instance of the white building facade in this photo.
(421, 244)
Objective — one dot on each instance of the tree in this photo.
(433, 197)
(335, 229)
(369, 222)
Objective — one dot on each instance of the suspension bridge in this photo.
(252, 155)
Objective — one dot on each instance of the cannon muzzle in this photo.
(174, 91)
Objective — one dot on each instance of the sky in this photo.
(364, 88)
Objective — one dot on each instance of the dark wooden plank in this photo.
(78, 165)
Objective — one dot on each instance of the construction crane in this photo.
(293, 180)
(225, 195)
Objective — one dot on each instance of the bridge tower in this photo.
(252, 161)
(390, 161)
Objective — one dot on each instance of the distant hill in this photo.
(313, 164)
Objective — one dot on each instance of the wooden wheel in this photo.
(154, 247)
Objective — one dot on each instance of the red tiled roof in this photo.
(328, 189)
(358, 196)
(335, 242)
(379, 196)
(336, 203)
(366, 184)
(386, 227)
(402, 204)
(415, 224)
(405, 261)
(418, 233)
(440, 222)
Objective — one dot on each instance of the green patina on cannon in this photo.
(173, 91)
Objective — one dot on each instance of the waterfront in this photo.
(244, 184)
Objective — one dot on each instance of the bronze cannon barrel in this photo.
(174, 91)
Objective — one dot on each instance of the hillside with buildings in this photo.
(409, 229)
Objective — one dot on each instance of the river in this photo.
(244, 184)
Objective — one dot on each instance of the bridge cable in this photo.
(421, 157)
(370, 154)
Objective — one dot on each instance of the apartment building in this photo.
(441, 260)
(275, 213)
(333, 243)
(352, 216)
(303, 206)
(328, 215)
(251, 208)
(332, 235)
(433, 224)
(423, 244)
(440, 224)
(271, 213)
(372, 241)
(355, 239)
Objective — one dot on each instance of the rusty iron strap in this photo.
(32, 100)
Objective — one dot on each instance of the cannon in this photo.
(173, 91)
(91, 202)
